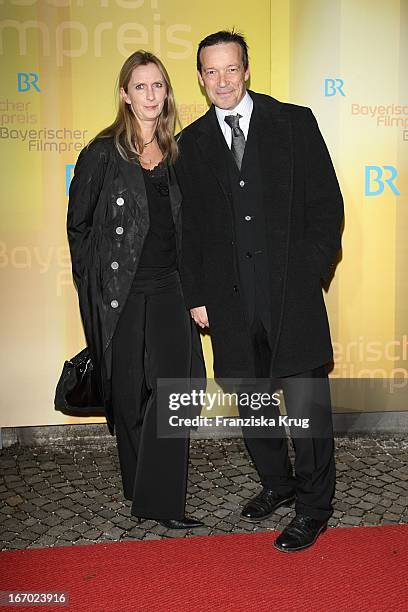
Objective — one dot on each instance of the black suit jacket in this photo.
(303, 211)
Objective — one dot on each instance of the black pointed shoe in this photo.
(301, 533)
(186, 523)
(264, 504)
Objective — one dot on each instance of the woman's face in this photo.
(146, 92)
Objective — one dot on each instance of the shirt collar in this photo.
(244, 108)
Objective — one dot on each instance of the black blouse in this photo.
(159, 249)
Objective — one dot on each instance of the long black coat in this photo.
(107, 221)
(303, 210)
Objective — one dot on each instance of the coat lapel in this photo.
(274, 133)
(175, 194)
(214, 149)
(132, 176)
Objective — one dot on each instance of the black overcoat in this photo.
(303, 211)
(107, 223)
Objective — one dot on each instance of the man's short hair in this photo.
(224, 36)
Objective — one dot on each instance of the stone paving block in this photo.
(28, 522)
(8, 536)
(125, 524)
(196, 501)
(175, 533)
(39, 514)
(351, 520)
(364, 505)
(92, 534)
(50, 507)
(397, 488)
(72, 521)
(39, 528)
(221, 513)
(152, 536)
(372, 519)
(158, 529)
(283, 511)
(14, 500)
(96, 520)
(389, 516)
(11, 479)
(55, 531)
(136, 533)
(84, 527)
(201, 531)
(41, 542)
(343, 507)
(355, 511)
(64, 513)
(211, 520)
(113, 532)
(19, 544)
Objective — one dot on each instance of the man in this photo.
(262, 220)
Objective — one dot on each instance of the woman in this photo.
(124, 231)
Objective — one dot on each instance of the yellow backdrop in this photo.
(343, 58)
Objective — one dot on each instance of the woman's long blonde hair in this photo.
(126, 129)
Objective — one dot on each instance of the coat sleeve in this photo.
(191, 269)
(324, 202)
(84, 191)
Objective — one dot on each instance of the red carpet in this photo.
(349, 569)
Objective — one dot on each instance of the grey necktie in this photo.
(238, 138)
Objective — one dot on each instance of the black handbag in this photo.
(77, 391)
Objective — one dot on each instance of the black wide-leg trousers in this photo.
(152, 340)
(306, 394)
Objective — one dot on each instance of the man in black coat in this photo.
(262, 221)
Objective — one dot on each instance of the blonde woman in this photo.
(124, 231)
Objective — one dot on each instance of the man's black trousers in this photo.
(307, 395)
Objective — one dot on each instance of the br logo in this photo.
(376, 177)
(27, 80)
(333, 86)
(69, 171)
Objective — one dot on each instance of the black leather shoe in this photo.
(301, 533)
(264, 504)
(186, 523)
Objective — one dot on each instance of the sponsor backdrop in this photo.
(343, 58)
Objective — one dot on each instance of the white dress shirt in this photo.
(244, 108)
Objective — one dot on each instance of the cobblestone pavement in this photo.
(59, 495)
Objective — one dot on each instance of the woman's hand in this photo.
(199, 315)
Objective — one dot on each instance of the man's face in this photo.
(223, 75)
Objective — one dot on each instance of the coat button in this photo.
(114, 303)
(236, 290)
(242, 183)
(119, 230)
(120, 201)
(114, 265)
(248, 255)
(248, 217)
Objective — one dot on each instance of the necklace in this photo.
(150, 141)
